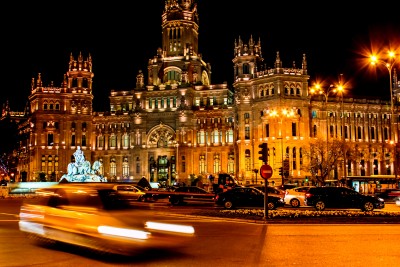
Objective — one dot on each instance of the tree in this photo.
(324, 157)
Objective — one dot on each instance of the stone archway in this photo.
(161, 136)
(161, 139)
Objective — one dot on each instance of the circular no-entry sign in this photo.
(266, 171)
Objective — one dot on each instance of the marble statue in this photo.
(81, 170)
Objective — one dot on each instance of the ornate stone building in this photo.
(175, 123)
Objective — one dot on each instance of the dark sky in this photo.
(122, 36)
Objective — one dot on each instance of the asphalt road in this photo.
(222, 242)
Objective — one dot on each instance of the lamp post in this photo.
(284, 113)
(389, 63)
(177, 162)
(340, 90)
(318, 90)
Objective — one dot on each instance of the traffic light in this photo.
(280, 171)
(263, 152)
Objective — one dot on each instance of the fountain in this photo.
(82, 171)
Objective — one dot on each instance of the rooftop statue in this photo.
(81, 170)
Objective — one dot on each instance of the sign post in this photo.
(266, 172)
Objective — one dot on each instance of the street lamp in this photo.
(284, 113)
(318, 90)
(176, 161)
(340, 90)
(389, 63)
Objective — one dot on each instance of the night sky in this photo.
(122, 36)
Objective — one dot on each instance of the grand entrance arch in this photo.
(162, 147)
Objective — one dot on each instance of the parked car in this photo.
(341, 197)
(247, 197)
(286, 186)
(397, 201)
(295, 196)
(130, 192)
(186, 194)
(89, 215)
(272, 191)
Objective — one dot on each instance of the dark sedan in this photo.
(246, 197)
(341, 197)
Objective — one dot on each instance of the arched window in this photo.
(246, 68)
(294, 166)
(201, 137)
(359, 132)
(125, 140)
(202, 163)
(229, 136)
(231, 163)
(217, 163)
(215, 135)
(83, 139)
(113, 167)
(125, 167)
(247, 160)
(100, 141)
(113, 141)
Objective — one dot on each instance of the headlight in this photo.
(381, 199)
(108, 230)
(176, 228)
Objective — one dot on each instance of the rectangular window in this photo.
(137, 167)
(294, 129)
(183, 167)
(247, 133)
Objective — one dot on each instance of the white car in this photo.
(295, 196)
(397, 201)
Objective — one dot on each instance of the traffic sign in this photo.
(266, 171)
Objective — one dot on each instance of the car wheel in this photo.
(320, 205)
(175, 201)
(295, 203)
(368, 206)
(228, 204)
(271, 206)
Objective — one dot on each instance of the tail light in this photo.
(307, 195)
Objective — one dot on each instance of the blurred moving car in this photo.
(130, 192)
(341, 197)
(186, 194)
(272, 191)
(295, 196)
(388, 194)
(247, 197)
(92, 215)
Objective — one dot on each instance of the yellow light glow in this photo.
(184, 229)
